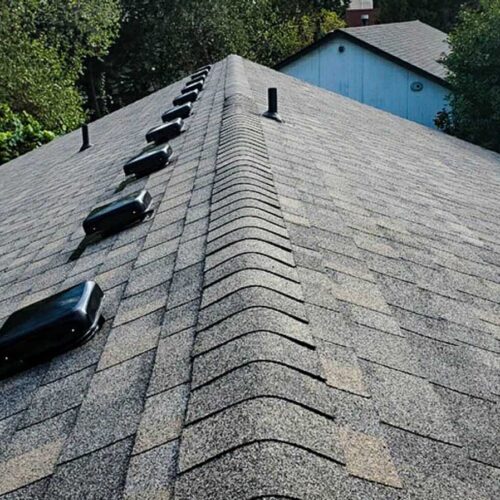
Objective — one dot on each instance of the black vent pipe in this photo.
(85, 138)
(272, 111)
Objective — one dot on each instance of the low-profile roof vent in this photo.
(49, 327)
(208, 67)
(118, 215)
(177, 112)
(200, 78)
(193, 86)
(187, 97)
(165, 132)
(203, 73)
(148, 161)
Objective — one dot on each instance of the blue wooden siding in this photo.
(369, 78)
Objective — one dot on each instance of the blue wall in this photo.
(369, 78)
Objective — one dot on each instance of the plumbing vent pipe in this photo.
(272, 110)
(85, 138)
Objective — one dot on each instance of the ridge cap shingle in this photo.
(309, 313)
(266, 418)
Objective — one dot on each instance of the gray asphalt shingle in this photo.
(414, 42)
(312, 310)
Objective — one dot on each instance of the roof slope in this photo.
(310, 312)
(414, 42)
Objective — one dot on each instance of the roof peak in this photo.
(388, 25)
(413, 44)
(288, 321)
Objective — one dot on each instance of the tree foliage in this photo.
(19, 133)
(442, 14)
(44, 46)
(82, 31)
(78, 28)
(162, 40)
(474, 76)
(56, 51)
(32, 76)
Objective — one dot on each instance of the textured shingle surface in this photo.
(414, 42)
(298, 318)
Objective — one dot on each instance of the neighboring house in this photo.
(361, 13)
(393, 67)
(310, 312)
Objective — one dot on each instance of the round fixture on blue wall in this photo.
(341, 49)
(417, 86)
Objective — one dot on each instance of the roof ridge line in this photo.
(240, 119)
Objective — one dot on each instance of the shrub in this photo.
(19, 133)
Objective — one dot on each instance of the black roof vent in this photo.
(187, 97)
(177, 112)
(165, 132)
(85, 138)
(118, 215)
(200, 78)
(52, 326)
(272, 111)
(193, 86)
(203, 73)
(208, 67)
(148, 161)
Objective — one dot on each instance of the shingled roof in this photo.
(312, 311)
(413, 44)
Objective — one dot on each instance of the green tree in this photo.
(474, 76)
(442, 14)
(33, 78)
(82, 31)
(78, 28)
(162, 40)
(19, 133)
(46, 46)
